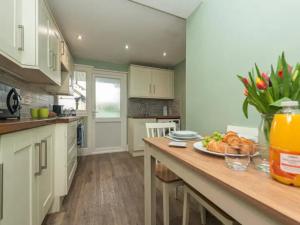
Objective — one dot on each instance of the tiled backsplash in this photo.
(32, 95)
(151, 107)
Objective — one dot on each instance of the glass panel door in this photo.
(108, 97)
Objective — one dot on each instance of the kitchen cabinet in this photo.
(19, 180)
(163, 83)
(147, 82)
(66, 87)
(12, 30)
(27, 159)
(66, 58)
(45, 180)
(139, 81)
(65, 161)
(31, 40)
(136, 133)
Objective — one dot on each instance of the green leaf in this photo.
(257, 71)
(286, 77)
(245, 107)
(275, 86)
(278, 102)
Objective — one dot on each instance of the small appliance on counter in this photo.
(58, 109)
(10, 102)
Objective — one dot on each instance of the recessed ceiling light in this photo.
(126, 46)
(164, 54)
(79, 37)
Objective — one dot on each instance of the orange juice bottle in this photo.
(285, 144)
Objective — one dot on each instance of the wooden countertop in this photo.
(279, 199)
(14, 125)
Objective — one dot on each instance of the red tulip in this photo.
(261, 84)
(265, 76)
(246, 93)
(245, 81)
(280, 73)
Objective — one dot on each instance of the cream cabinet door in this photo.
(12, 31)
(45, 185)
(19, 180)
(43, 39)
(163, 83)
(139, 82)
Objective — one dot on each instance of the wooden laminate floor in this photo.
(108, 190)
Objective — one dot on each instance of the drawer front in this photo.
(72, 134)
(71, 171)
(72, 152)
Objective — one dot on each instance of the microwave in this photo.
(10, 102)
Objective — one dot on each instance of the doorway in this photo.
(109, 104)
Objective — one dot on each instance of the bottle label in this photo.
(290, 163)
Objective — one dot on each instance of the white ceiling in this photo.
(107, 25)
(179, 8)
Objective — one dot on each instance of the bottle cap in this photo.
(289, 103)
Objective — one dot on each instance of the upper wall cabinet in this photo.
(29, 41)
(12, 29)
(147, 82)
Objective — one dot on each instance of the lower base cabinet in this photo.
(65, 151)
(27, 159)
(136, 133)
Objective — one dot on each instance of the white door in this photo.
(109, 112)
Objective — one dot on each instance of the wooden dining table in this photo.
(251, 197)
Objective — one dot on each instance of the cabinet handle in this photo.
(21, 47)
(45, 166)
(54, 62)
(154, 89)
(50, 56)
(62, 47)
(1, 191)
(38, 145)
(150, 89)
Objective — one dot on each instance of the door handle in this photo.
(45, 143)
(21, 46)
(38, 145)
(1, 191)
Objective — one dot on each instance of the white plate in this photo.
(186, 138)
(184, 133)
(199, 146)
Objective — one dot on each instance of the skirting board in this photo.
(97, 151)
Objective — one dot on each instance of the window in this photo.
(79, 85)
(78, 100)
(107, 98)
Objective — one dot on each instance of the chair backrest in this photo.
(247, 132)
(159, 129)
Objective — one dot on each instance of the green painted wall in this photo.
(225, 38)
(180, 90)
(103, 65)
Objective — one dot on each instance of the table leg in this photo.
(150, 190)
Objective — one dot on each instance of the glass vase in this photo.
(261, 157)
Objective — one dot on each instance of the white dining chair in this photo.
(204, 205)
(169, 180)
